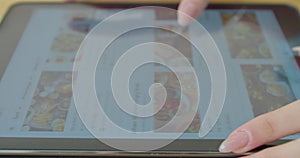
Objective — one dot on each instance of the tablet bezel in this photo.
(85, 147)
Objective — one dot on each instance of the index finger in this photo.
(191, 8)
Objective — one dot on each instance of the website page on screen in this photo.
(36, 88)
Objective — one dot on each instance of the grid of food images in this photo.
(264, 83)
(169, 80)
(52, 98)
(267, 85)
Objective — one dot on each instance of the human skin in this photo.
(263, 129)
(192, 8)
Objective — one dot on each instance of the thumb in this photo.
(263, 129)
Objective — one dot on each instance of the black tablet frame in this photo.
(93, 147)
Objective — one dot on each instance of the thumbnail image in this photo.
(50, 103)
(69, 36)
(83, 24)
(71, 33)
(64, 48)
(67, 43)
(244, 36)
(172, 39)
(79, 21)
(268, 87)
(170, 108)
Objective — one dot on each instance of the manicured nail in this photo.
(188, 9)
(235, 142)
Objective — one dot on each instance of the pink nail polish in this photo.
(235, 142)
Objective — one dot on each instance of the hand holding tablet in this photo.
(255, 42)
(263, 129)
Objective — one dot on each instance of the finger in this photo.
(264, 129)
(191, 8)
(297, 49)
(287, 150)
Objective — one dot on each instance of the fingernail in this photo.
(235, 142)
(189, 10)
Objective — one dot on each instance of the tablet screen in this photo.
(36, 86)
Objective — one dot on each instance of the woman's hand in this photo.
(263, 129)
(267, 128)
(192, 8)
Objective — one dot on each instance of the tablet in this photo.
(39, 43)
